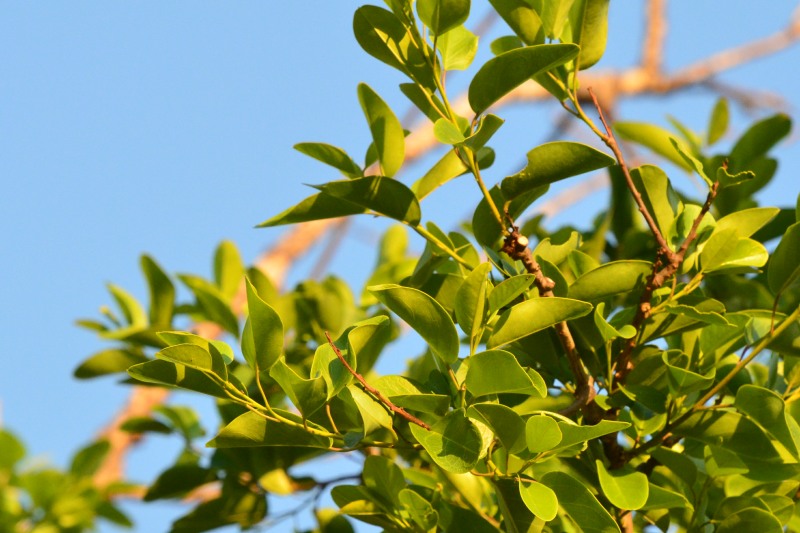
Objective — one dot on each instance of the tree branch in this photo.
(372, 390)
(516, 246)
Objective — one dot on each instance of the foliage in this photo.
(643, 371)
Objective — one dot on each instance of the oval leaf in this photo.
(625, 488)
(425, 315)
(616, 277)
(552, 162)
(540, 499)
(262, 339)
(454, 443)
(535, 315)
(498, 371)
(442, 16)
(502, 74)
(317, 207)
(580, 504)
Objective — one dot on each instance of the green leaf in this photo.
(317, 207)
(508, 290)
(212, 302)
(228, 269)
(608, 331)
(653, 137)
(683, 381)
(721, 462)
(579, 504)
(108, 362)
(387, 132)
(522, 18)
(540, 499)
(554, 161)
(251, 429)
(694, 163)
(308, 395)
(498, 371)
(331, 155)
(11, 450)
(784, 267)
(502, 74)
(131, 309)
(542, 433)
(769, 410)
(422, 99)
(534, 315)
(750, 519)
(442, 16)
(374, 415)
(420, 510)
(726, 179)
(162, 292)
(718, 123)
(381, 194)
(758, 140)
(658, 195)
(555, 14)
(383, 36)
(196, 357)
(453, 442)
(660, 498)
(262, 339)
(589, 23)
(447, 168)
(412, 395)
(726, 250)
(89, 459)
(625, 488)
(177, 480)
(458, 47)
(747, 221)
(175, 375)
(557, 253)
(487, 230)
(572, 434)
(471, 301)
(505, 44)
(737, 432)
(709, 317)
(610, 279)
(425, 315)
(447, 133)
(507, 425)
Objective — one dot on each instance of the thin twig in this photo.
(372, 390)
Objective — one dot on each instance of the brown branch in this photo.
(375, 392)
(516, 246)
(611, 142)
(655, 32)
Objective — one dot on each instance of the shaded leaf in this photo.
(589, 22)
(453, 442)
(387, 132)
(442, 16)
(579, 504)
(251, 429)
(331, 155)
(381, 194)
(317, 207)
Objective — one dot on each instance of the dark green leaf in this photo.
(11, 450)
(757, 141)
(552, 162)
(193, 356)
(507, 425)
(381, 194)
(784, 265)
(108, 362)
(502, 74)
(470, 302)
(174, 375)
(508, 290)
(89, 459)
(736, 431)
(308, 395)
(750, 519)
(317, 207)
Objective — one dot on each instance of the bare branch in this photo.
(655, 32)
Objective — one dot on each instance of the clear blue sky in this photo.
(164, 127)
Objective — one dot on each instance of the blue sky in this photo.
(165, 127)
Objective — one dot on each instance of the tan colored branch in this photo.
(655, 32)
